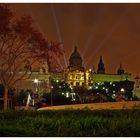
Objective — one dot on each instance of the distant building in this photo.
(75, 75)
(75, 72)
(37, 81)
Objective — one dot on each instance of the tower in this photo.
(75, 59)
(101, 68)
(75, 71)
(44, 68)
(120, 70)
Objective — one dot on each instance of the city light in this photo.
(106, 90)
(122, 90)
(67, 94)
(90, 70)
(90, 87)
(96, 87)
(35, 80)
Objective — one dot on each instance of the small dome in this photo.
(75, 59)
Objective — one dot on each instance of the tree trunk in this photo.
(5, 99)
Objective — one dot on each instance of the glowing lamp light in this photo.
(90, 87)
(106, 90)
(90, 70)
(67, 94)
(35, 80)
(122, 90)
(96, 87)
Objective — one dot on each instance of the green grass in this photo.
(71, 123)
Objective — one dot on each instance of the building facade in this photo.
(75, 75)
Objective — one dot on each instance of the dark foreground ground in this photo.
(68, 123)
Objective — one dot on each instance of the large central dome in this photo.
(75, 59)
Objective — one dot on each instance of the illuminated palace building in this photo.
(77, 75)
(74, 75)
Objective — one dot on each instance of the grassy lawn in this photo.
(68, 123)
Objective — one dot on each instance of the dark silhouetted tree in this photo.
(21, 46)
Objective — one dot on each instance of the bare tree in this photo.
(21, 46)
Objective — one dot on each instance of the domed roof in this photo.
(75, 59)
(75, 54)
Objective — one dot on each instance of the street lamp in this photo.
(51, 96)
(36, 85)
(122, 90)
(35, 81)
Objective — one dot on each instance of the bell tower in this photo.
(44, 68)
(120, 70)
(101, 68)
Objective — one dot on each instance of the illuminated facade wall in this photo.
(38, 81)
(96, 78)
(79, 78)
(59, 76)
(41, 84)
(76, 78)
(75, 75)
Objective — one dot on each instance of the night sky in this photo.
(110, 30)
